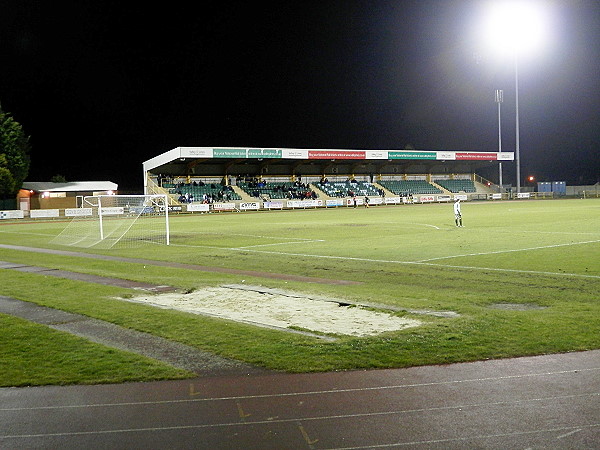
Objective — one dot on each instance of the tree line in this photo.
(14, 155)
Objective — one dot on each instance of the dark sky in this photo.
(101, 86)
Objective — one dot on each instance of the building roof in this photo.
(72, 186)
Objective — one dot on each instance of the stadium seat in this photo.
(407, 187)
(457, 185)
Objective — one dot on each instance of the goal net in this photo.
(106, 221)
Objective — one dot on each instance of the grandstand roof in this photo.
(185, 153)
(220, 161)
(73, 186)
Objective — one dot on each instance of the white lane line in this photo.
(328, 391)
(321, 418)
(466, 438)
(562, 436)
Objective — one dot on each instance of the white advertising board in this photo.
(78, 212)
(12, 214)
(223, 206)
(250, 205)
(112, 211)
(198, 207)
(273, 205)
(45, 213)
(304, 203)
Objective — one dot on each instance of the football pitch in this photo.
(523, 278)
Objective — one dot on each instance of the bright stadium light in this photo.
(516, 27)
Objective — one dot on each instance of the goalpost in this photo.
(106, 221)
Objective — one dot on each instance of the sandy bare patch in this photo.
(280, 309)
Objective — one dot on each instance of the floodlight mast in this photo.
(515, 26)
(517, 134)
(499, 100)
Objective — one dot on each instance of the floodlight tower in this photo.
(516, 26)
(499, 100)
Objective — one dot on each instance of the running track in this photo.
(548, 401)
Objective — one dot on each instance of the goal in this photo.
(106, 221)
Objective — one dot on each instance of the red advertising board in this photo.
(476, 156)
(336, 154)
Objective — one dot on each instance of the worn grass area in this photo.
(535, 253)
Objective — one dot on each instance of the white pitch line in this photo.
(509, 251)
(249, 235)
(26, 232)
(577, 233)
(423, 263)
(497, 269)
(428, 225)
(304, 241)
(389, 261)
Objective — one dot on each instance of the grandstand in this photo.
(251, 175)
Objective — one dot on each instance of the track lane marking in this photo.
(328, 391)
(316, 418)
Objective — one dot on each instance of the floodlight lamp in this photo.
(517, 26)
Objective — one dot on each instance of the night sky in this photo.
(101, 86)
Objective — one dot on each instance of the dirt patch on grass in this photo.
(282, 309)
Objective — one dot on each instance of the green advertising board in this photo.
(229, 153)
(412, 155)
(264, 153)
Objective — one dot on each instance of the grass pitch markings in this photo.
(508, 251)
(388, 261)
(27, 233)
(303, 241)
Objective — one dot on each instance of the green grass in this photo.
(540, 253)
(33, 354)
